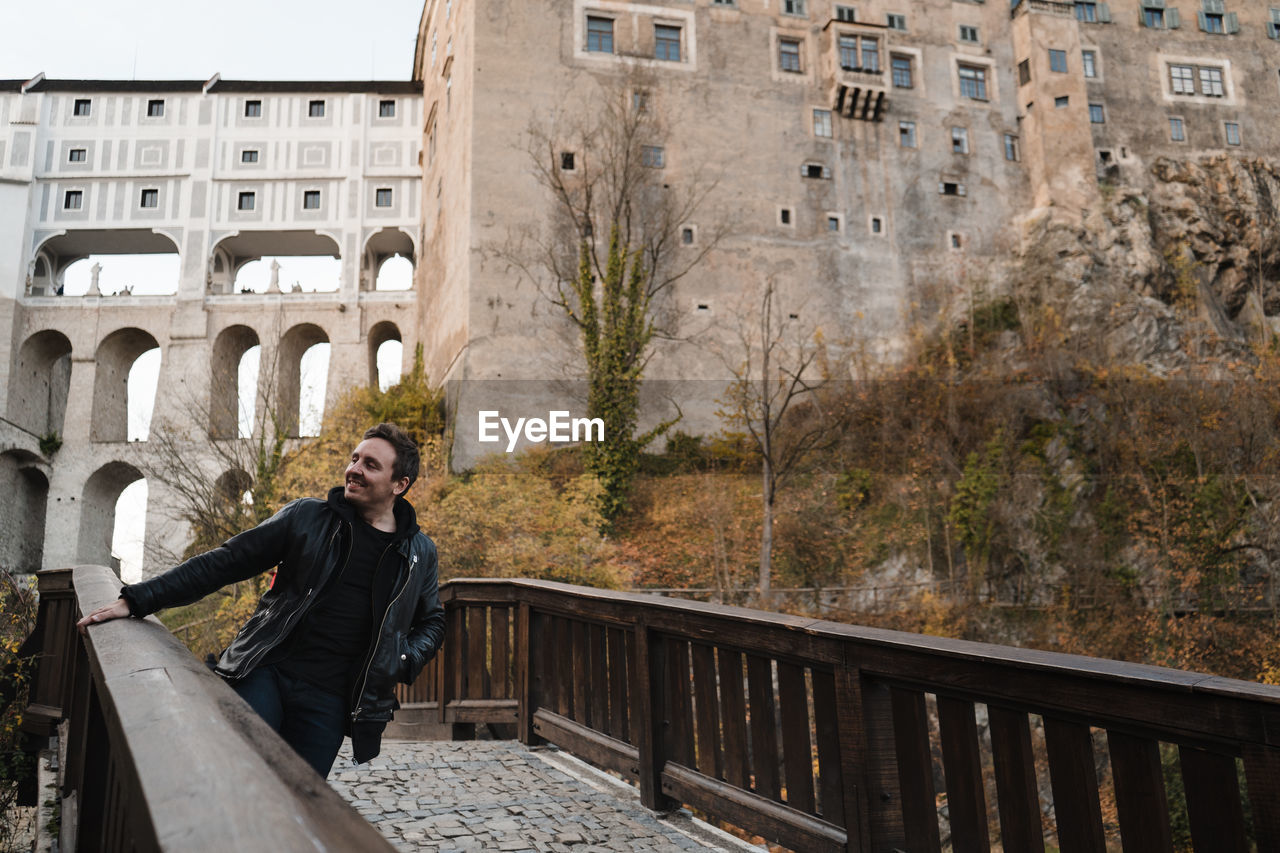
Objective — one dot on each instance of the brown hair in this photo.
(406, 464)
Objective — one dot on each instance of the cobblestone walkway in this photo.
(501, 795)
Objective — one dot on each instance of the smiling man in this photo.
(353, 609)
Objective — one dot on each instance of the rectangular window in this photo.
(1061, 101)
(253, 109)
(1177, 129)
(1211, 82)
(846, 14)
(1183, 79)
(666, 43)
(567, 161)
(848, 52)
(968, 33)
(789, 55)
(686, 236)
(382, 197)
(77, 155)
(1233, 132)
(150, 198)
(245, 201)
(817, 171)
(793, 7)
(311, 200)
(870, 54)
(249, 155)
(950, 188)
(822, 123)
(973, 82)
(653, 156)
(959, 140)
(907, 134)
(1211, 23)
(315, 109)
(1096, 114)
(1153, 18)
(901, 66)
(386, 109)
(155, 108)
(1087, 12)
(599, 34)
(1011, 147)
(1089, 62)
(1024, 72)
(81, 107)
(73, 200)
(1273, 25)
(897, 22)
(833, 223)
(1058, 61)
(877, 225)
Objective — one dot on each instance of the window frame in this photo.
(1089, 63)
(1177, 129)
(653, 156)
(1012, 151)
(384, 197)
(1231, 133)
(976, 81)
(907, 71)
(68, 196)
(845, 14)
(822, 121)
(1086, 12)
(787, 58)
(387, 108)
(1057, 61)
(82, 107)
(82, 158)
(309, 196)
(253, 108)
(155, 108)
(907, 135)
(149, 194)
(662, 43)
(959, 140)
(246, 201)
(250, 155)
(316, 108)
(1097, 113)
(603, 40)
(892, 18)
(969, 29)
(794, 8)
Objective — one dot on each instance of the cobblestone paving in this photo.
(501, 795)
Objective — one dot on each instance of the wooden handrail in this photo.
(161, 754)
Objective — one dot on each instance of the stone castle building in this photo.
(868, 157)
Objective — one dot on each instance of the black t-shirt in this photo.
(330, 643)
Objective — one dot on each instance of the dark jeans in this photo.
(309, 719)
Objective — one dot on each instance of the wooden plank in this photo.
(962, 766)
(733, 719)
(597, 678)
(875, 761)
(500, 667)
(1262, 776)
(633, 692)
(477, 653)
(826, 724)
(646, 725)
(618, 681)
(601, 750)
(483, 711)
(774, 821)
(915, 770)
(679, 704)
(1075, 786)
(579, 710)
(797, 751)
(1213, 800)
(528, 672)
(1016, 791)
(1140, 796)
(562, 667)
(706, 710)
(763, 728)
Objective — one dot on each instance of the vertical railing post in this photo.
(649, 716)
(529, 645)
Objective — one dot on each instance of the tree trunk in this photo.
(766, 532)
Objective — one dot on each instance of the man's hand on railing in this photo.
(117, 609)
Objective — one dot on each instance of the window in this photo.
(311, 200)
(567, 163)
(1183, 79)
(315, 109)
(249, 155)
(1156, 16)
(599, 34)
(822, 123)
(1058, 61)
(73, 200)
(954, 239)
(877, 225)
(1153, 18)
(870, 54)
(901, 66)
(382, 197)
(155, 108)
(653, 156)
(950, 188)
(150, 198)
(793, 7)
(1177, 129)
(722, 2)
(1096, 114)
(1211, 82)
(687, 235)
(1061, 101)
(386, 109)
(784, 216)
(959, 140)
(848, 52)
(846, 14)
(253, 109)
(833, 223)
(907, 134)
(639, 100)
(77, 155)
(1011, 147)
(1089, 62)
(1273, 25)
(897, 22)
(968, 33)
(81, 107)
(1211, 23)
(1233, 132)
(245, 201)
(1087, 12)
(1024, 72)
(817, 171)
(789, 55)
(666, 43)
(973, 82)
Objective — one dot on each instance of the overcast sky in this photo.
(178, 40)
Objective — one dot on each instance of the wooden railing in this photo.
(160, 754)
(823, 736)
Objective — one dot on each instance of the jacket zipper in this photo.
(377, 638)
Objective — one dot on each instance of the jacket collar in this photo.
(406, 517)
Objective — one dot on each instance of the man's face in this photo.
(369, 481)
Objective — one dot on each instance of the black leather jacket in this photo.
(309, 539)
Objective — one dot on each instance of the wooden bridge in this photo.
(815, 735)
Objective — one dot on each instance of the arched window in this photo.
(302, 368)
(38, 390)
(232, 400)
(386, 355)
(119, 395)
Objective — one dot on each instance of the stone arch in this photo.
(381, 334)
(224, 386)
(44, 281)
(293, 345)
(232, 485)
(382, 246)
(22, 512)
(238, 250)
(64, 250)
(42, 378)
(98, 511)
(116, 354)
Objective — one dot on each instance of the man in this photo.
(353, 608)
